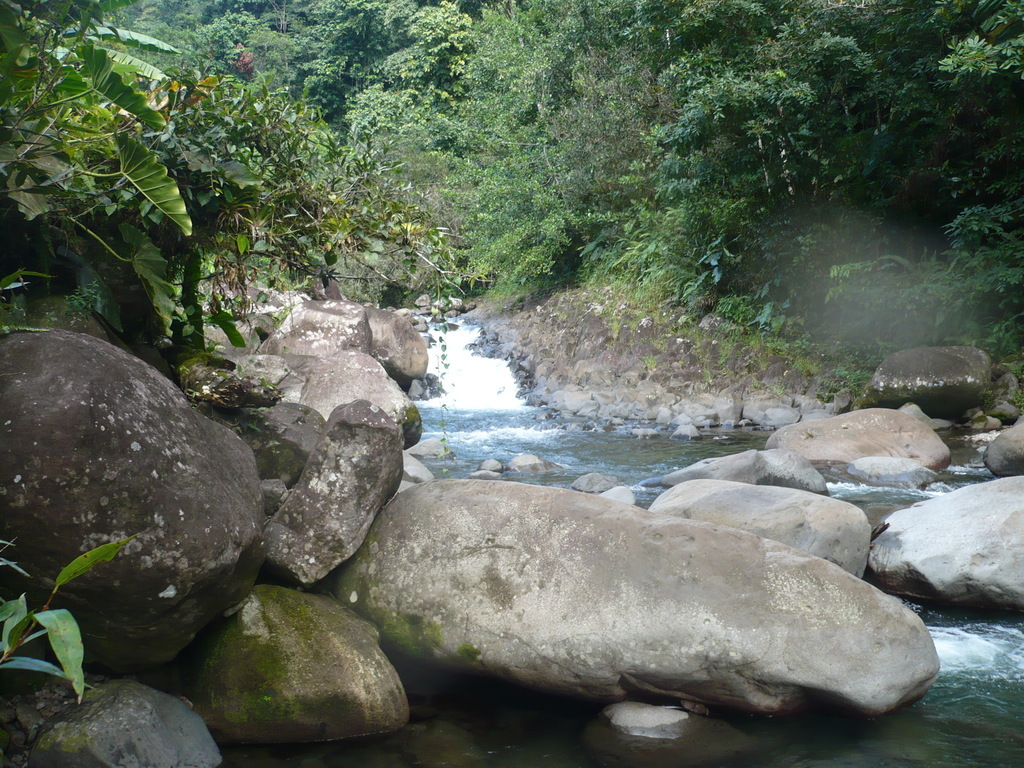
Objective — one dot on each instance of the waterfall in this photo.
(470, 382)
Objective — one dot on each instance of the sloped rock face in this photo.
(397, 346)
(321, 329)
(354, 469)
(125, 723)
(872, 432)
(98, 447)
(943, 381)
(580, 595)
(1004, 456)
(963, 548)
(293, 667)
(828, 528)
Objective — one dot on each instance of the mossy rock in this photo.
(293, 667)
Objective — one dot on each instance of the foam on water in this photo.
(983, 650)
(470, 382)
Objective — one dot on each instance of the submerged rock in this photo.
(828, 528)
(873, 432)
(293, 667)
(575, 594)
(962, 548)
(639, 735)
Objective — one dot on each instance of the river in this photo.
(970, 718)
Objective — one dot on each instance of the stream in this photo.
(970, 718)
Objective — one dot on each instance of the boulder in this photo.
(620, 493)
(349, 375)
(99, 446)
(431, 448)
(781, 416)
(891, 472)
(963, 548)
(1004, 456)
(281, 437)
(491, 465)
(125, 723)
(530, 464)
(397, 346)
(575, 594)
(414, 471)
(943, 381)
(912, 409)
(293, 667)
(321, 329)
(355, 468)
(774, 467)
(594, 482)
(873, 432)
(828, 528)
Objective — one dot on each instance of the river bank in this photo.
(589, 354)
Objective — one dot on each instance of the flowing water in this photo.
(971, 718)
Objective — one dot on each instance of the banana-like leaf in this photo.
(99, 68)
(133, 65)
(66, 641)
(151, 267)
(134, 39)
(142, 169)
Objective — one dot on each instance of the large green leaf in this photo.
(66, 641)
(150, 177)
(133, 65)
(151, 267)
(99, 69)
(32, 665)
(85, 562)
(134, 39)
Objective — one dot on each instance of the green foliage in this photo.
(21, 625)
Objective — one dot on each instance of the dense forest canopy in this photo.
(848, 170)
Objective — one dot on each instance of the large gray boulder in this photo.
(1004, 456)
(98, 446)
(873, 432)
(829, 528)
(397, 346)
(350, 375)
(775, 467)
(943, 381)
(281, 437)
(355, 468)
(964, 548)
(126, 724)
(321, 329)
(576, 594)
(293, 667)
